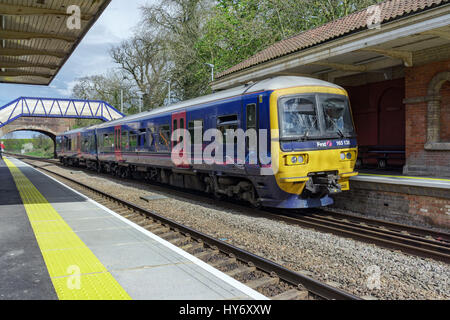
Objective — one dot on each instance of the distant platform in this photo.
(398, 179)
(58, 244)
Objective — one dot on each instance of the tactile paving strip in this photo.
(75, 271)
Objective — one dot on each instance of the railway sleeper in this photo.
(263, 282)
(169, 235)
(190, 247)
(206, 254)
(292, 294)
(223, 263)
(240, 271)
(158, 230)
(179, 241)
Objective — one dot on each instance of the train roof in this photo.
(270, 84)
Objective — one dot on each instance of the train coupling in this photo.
(323, 183)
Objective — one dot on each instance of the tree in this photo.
(240, 29)
(143, 59)
(181, 24)
(108, 88)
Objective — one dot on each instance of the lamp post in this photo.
(212, 70)
(170, 93)
(121, 100)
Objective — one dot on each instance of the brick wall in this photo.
(445, 112)
(421, 161)
(397, 203)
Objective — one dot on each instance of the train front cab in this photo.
(311, 165)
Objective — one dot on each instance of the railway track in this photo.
(265, 276)
(416, 241)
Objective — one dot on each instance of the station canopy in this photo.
(380, 39)
(38, 36)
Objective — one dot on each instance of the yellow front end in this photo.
(295, 168)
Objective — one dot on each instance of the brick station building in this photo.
(394, 60)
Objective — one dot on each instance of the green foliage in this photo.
(42, 146)
(240, 29)
(177, 38)
(82, 123)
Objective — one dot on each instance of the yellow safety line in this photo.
(402, 177)
(76, 273)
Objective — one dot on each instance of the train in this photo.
(296, 147)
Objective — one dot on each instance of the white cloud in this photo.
(65, 89)
(92, 55)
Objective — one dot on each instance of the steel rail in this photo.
(378, 237)
(394, 226)
(360, 228)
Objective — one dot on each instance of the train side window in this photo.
(107, 142)
(133, 141)
(251, 124)
(228, 122)
(150, 132)
(92, 145)
(85, 145)
(251, 116)
(124, 140)
(193, 126)
(142, 138)
(164, 138)
(174, 126)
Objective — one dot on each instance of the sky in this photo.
(91, 56)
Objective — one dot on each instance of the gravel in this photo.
(359, 268)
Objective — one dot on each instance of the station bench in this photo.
(381, 155)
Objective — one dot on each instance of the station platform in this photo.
(57, 244)
(398, 179)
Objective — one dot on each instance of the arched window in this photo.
(434, 113)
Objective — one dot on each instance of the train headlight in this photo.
(296, 160)
(347, 155)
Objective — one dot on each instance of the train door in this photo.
(250, 122)
(63, 144)
(118, 143)
(179, 122)
(79, 144)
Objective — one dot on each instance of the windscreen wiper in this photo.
(305, 136)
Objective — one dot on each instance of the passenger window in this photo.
(193, 126)
(163, 138)
(133, 139)
(226, 123)
(124, 140)
(251, 116)
(150, 132)
(142, 138)
(107, 143)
